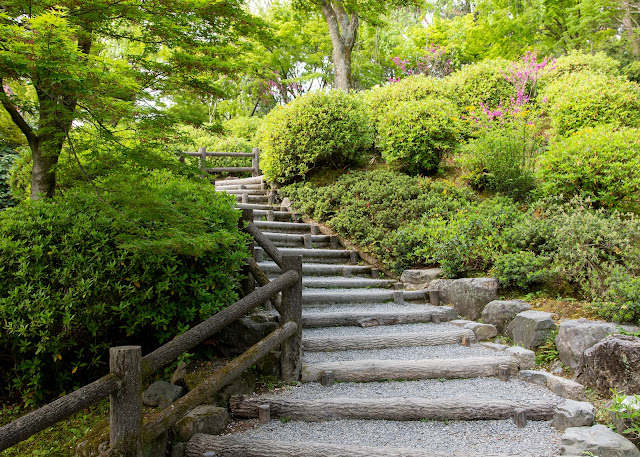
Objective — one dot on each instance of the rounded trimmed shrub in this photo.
(585, 99)
(481, 83)
(416, 134)
(81, 273)
(601, 163)
(578, 61)
(323, 128)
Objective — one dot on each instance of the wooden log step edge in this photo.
(462, 408)
(238, 446)
(382, 341)
(378, 370)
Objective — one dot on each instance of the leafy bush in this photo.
(501, 160)
(622, 300)
(601, 164)
(578, 100)
(243, 127)
(481, 83)
(416, 135)
(414, 88)
(7, 158)
(81, 273)
(523, 269)
(322, 128)
(578, 61)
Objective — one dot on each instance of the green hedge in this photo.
(416, 134)
(322, 128)
(584, 99)
(601, 163)
(81, 273)
(483, 82)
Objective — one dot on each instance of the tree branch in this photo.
(16, 117)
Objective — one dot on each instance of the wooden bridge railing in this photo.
(202, 154)
(127, 433)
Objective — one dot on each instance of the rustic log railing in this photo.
(202, 155)
(127, 433)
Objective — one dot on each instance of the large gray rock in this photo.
(576, 336)
(208, 419)
(566, 388)
(612, 363)
(468, 296)
(571, 413)
(162, 394)
(239, 336)
(526, 358)
(535, 376)
(419, 279)
(598, 440)
(501, 312)
(483, 332)
(531, 328)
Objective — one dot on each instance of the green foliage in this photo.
(547, 352)
(583, 99)
(85, 272)
(482, 83)
(416, 134)
(501, 160)
(370, 206)
(243, 127)
(7, 158)
(601, 164)
(577, 61)
(414, 88)
(523, 269)
(622, 300)
(322, 128)
(627, 410)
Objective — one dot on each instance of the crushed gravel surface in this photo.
(453, 438)
(375, 307)
(380, 330)
(449, 351)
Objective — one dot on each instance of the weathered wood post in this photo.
(202, 160)
(255, 161)
(126, 404)
(249, 284)
(291, 351)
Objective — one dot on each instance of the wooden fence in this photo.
(128, 369)
(202, 154)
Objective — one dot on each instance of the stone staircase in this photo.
(384, 372)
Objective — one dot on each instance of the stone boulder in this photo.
(612, 363)
(239, 336)
(208, 419)
(162, 394)
(576, 336)
(597, 440)
(526, 358)
(483, 332)
(531, 328)
(419, 279)
(501, 312)
(571, 413)
(468, 296)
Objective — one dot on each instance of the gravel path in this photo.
(380, 330)
(449, 351)
(454, 438)
(479, 388)
(374, 307)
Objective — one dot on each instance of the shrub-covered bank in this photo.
(567, 247)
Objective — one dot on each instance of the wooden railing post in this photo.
(202, 161)
(255, 161)
(126, 404)
(291, 351)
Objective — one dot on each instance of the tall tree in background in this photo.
(343, 19)
(58, 48)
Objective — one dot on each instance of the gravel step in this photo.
(329, 343)
(317, 297)
(366, 370)
(236, 191)
(297, 240)
(331, 282)
(255, 198)
(320, 269)
(257, 206)
(335, 254)
(374, 315)
(368, 438)
(235, 182)
(283, 226)
(278, 216)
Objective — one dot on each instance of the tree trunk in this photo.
(343, 31)
(633, 35)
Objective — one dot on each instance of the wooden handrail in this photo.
(202, 154)
(265, 243)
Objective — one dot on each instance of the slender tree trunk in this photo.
(343, 31)
(633, 35)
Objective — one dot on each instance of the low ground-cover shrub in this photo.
(416, 134)
(322, 128)
(600, 163)
(584, 99)
(82, 272)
